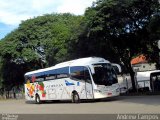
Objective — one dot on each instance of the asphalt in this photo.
(119, 105)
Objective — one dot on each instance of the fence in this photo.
(14, 93)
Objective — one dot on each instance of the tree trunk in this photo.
(132, 74)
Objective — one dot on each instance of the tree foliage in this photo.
(121, 24)
(120, 29)
(36, 43)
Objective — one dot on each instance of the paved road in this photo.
(123, 104)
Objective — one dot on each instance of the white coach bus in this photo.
(85, 78)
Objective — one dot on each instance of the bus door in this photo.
(88, 84)
(81, 75)
(155, 81)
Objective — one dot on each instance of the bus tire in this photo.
(37, 99)
(75, 97)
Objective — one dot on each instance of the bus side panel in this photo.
(61, 89)
(55, 90)
(30, 91)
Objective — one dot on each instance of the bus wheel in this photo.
(75, 97)
(37, 99)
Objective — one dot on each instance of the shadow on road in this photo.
(69, 102)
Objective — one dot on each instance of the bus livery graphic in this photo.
(68, 83)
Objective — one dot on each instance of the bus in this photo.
(84, 78)
(145, 79)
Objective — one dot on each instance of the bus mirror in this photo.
(117, 68)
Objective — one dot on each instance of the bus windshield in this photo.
(104, 74)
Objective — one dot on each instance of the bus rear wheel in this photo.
(37, 99)
(75, 97)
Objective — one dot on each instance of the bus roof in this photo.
(77, 62)
(82, 62)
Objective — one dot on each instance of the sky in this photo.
(12, 12)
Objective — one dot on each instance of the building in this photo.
(140, 63)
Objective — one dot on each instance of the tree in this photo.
(36, 43)
(119, 28)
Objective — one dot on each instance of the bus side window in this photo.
(39, 77)
(62, 72)
(80, 73)
(50, 75)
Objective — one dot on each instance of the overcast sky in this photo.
(12, 12)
